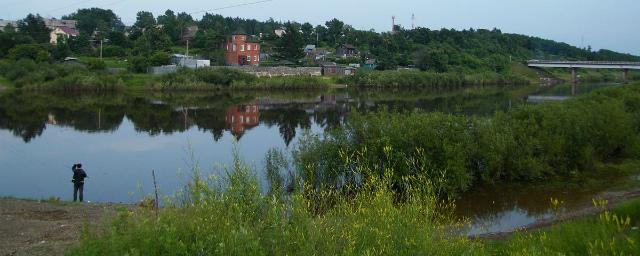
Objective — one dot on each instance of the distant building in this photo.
(55, 23)
(189, 33)
(346, 50)
(242, 50)
(62, 33)
(370, 64)
(280, 32)
(189, 61)
(240, 118)
(309, 49)
(329, 69)
(5, 23)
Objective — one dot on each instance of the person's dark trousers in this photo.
(77, 187)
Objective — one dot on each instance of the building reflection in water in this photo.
(239, 118)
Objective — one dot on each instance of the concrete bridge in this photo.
(574, 65)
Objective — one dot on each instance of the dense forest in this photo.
(150, 39)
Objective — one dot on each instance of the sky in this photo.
(608, 24)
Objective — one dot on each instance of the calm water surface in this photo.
(120, 138)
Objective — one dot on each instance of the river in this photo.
(120, 138)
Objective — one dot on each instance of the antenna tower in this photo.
(413, 21)
(393, 24)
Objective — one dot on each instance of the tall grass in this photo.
(220, 78)
(230, 216)
(432, 80)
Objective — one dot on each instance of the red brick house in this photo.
(242, 50)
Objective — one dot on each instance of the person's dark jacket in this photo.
(78, 175)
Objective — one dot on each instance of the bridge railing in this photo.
(584, 62)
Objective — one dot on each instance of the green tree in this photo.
(170, 25)
(35, 52)
(144, 21)
(335, 30)
(307, 33)
(96, 20)
(290, 46)
(61, 50)
(34, 26)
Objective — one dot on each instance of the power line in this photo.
(70, 5)
(232, 6)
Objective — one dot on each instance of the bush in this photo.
(35, 52)
(113, 51)
(531, 142)
(96, 64)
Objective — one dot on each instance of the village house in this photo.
(5, 23)
(55, 23)
(62, 33)
(346, 50)
(189, 33)
(280, 32)
(242, 50)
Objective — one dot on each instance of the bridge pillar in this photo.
(625, 76)
(574, 75)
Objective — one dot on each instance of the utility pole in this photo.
(187, 54)
(101, 48)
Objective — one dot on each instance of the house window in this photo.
(255, 58)
(227, 47)
(248, 47)
(234, 47)
(234, 38)
(242, 47)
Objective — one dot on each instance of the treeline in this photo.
(442, 50)
(454, 152)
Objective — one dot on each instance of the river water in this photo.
(121, 138)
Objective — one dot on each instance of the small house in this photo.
(189, 33)
(346, 50)
(329, 69)
(62, 33)
(309, 49)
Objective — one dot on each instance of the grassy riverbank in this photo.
(230, 216)
(31, 75)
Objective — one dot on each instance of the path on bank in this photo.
(46, 228)
(614, 199)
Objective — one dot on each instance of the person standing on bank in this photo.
(78, 181)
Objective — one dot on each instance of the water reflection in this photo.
(27, 115)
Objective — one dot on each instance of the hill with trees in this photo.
(151, 39)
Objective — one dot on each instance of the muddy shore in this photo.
(46, 228)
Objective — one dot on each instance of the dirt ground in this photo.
(46, 228)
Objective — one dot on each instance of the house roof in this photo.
(348, 46)
(69, 31)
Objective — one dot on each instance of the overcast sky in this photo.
(610, 24)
